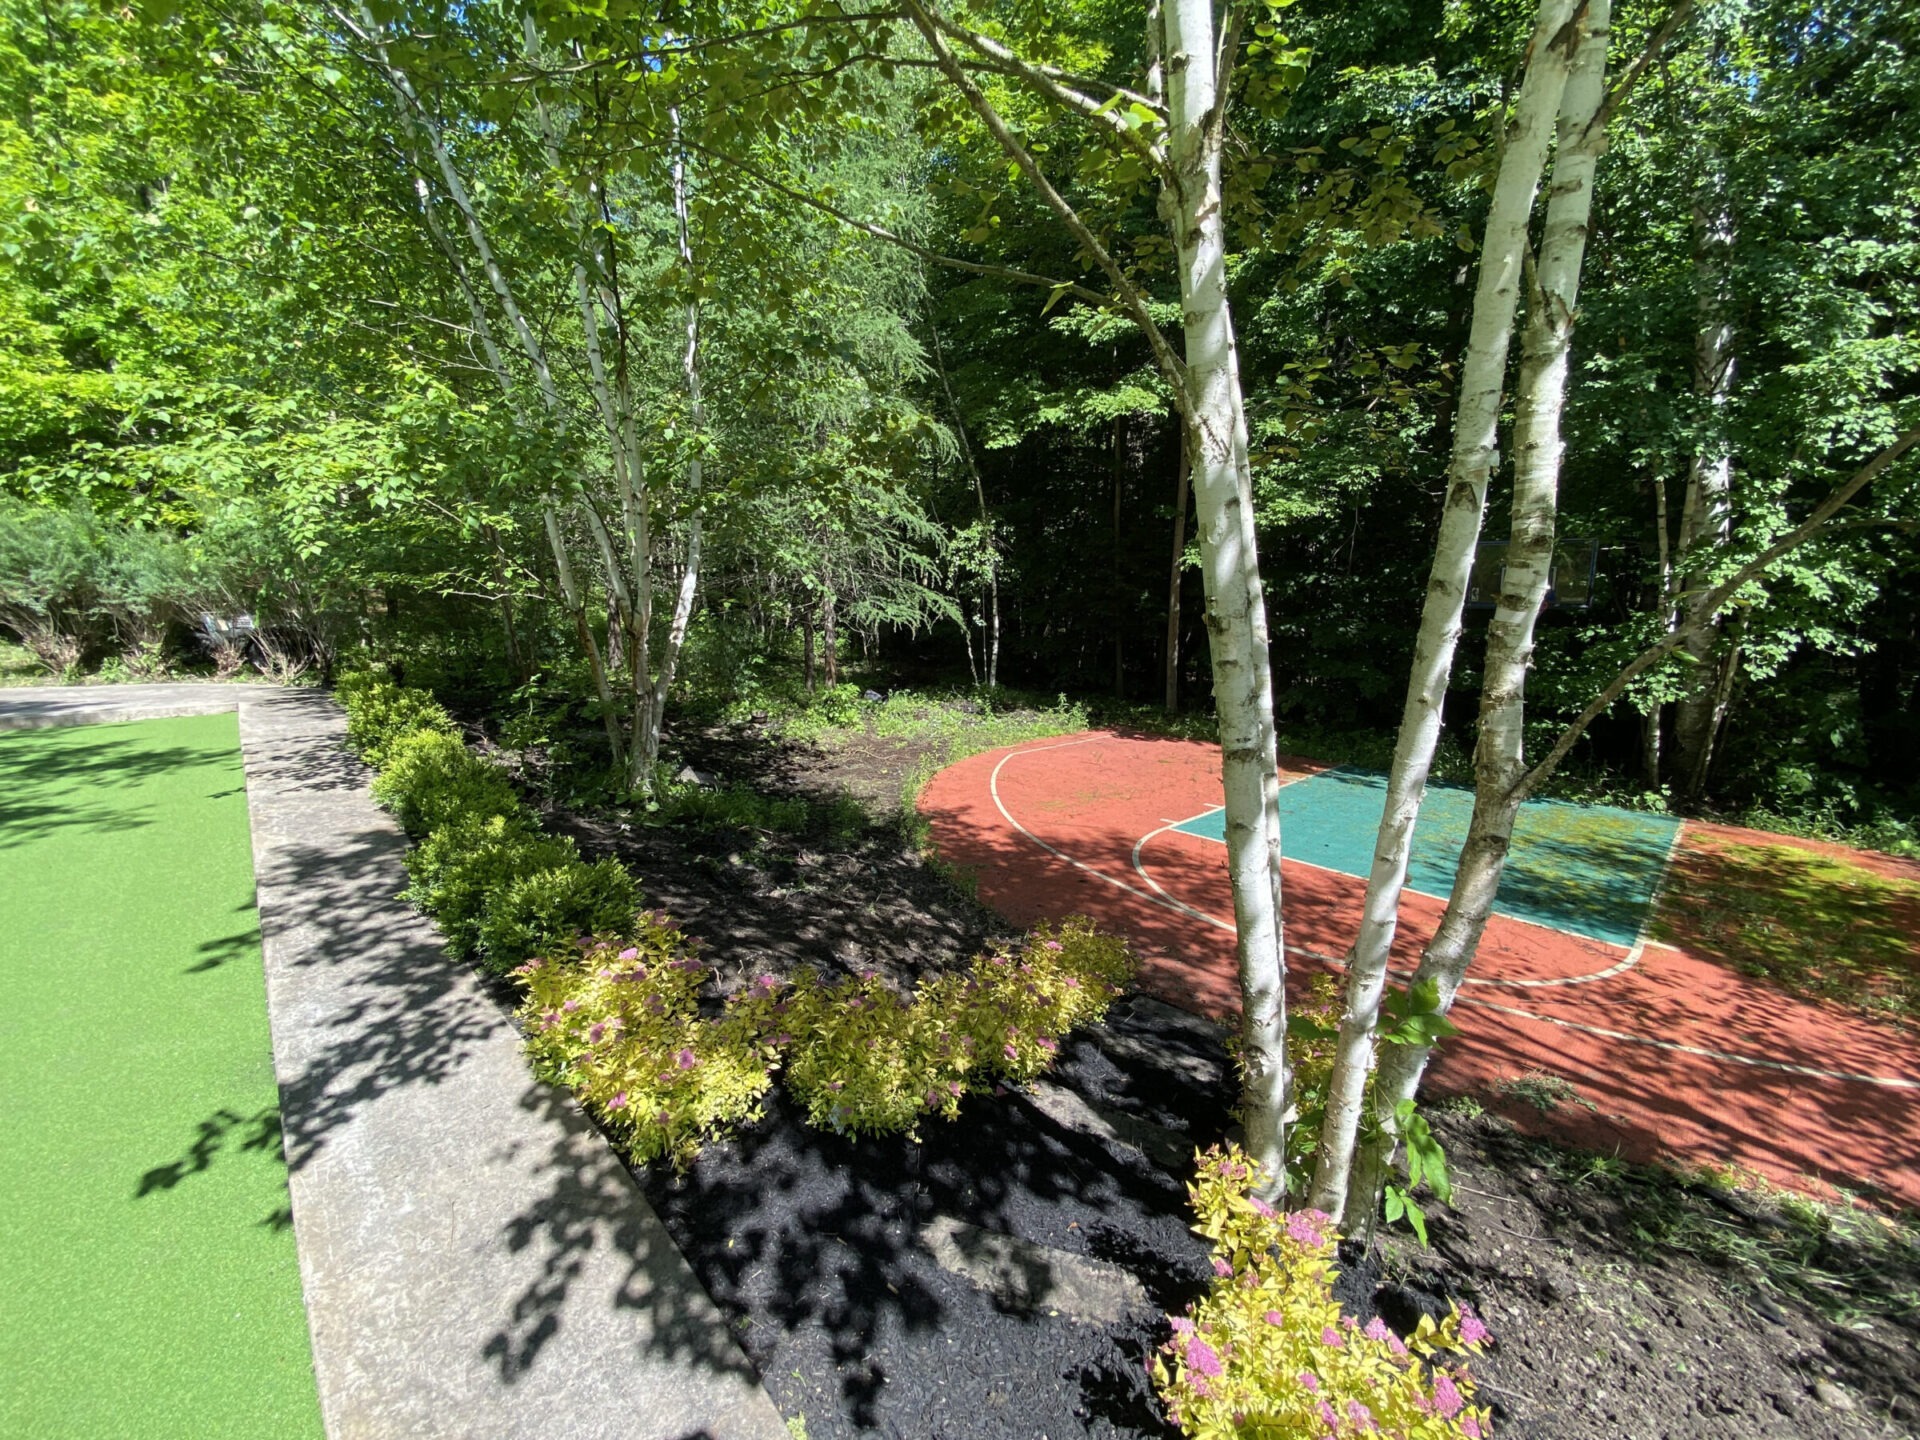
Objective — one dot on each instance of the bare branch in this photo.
(1048, 83)
(1131, 300)
(1655, 47)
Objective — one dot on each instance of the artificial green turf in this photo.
(148, 1282)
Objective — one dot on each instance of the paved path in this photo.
(476, 1260)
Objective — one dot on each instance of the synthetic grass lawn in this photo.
(148, 1282)
(1586, 869)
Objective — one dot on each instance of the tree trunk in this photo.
(1651, 735)
(1500, 751)
(654, 711)
(830, 640)
(1706, 524)
(991, 644)
(1173, 583)
(1236, 605)
(1118, 580)
(1475, 450)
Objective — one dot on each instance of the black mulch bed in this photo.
(811, 1242)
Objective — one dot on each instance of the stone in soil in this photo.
(1035, 1278)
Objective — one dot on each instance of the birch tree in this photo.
(1181, 144)
(1550, 52)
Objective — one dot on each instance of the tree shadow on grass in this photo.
(39, 782)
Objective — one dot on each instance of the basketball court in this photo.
(1671, 1055)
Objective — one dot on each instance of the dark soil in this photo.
(1605, 1325)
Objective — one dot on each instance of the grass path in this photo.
(148, 1279)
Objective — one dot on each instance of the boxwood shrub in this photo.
(380, 714)
(458, 870)
(431, 780)
(547, 910)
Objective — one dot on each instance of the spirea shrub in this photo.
(459, 869)
(617, 1021)
(538, 912)
(864, 1061)
(430, 779)
(1266, 1352)
(380, 714)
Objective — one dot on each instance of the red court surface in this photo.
(1681, 1058)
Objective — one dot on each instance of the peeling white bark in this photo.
(1236, 616)
(1539, 402)
(1475, 451)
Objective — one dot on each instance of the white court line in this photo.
(1619, 967)
(1166, 901)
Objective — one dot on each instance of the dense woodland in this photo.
(598, 364)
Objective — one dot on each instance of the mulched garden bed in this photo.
(818, 1246)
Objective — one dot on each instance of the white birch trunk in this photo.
(648, 747)
(1500, 753)
(1706, 523)
(1475, 452)
(369, 30)
(1173, 582)
(1236, 605)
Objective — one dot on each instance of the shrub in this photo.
(381, 714)
(864, 1061)
(538, 912)
(458, 869)
(431, 779)
(618, 1023)
(1267, 1352)
(1016, 1006)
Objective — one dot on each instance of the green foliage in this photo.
(740, 807)
(1266, 1351)
(380, 713)
(536, 912)
(431, 779)
(618, 1022)
(462, 867)
(865, 1061)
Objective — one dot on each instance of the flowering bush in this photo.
(458, 870)
(1267, 1353)
(864, 1061)
(617, 1021)
(542, 910)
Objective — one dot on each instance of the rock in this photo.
(1168, 1148)
(1031, 1277)
(1832, 1396)
(872, 697)
(687, 775)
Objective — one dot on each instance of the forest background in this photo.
(618, 366)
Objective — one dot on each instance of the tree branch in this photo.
(912, 247)
(1049, 84)
(1131, 300)
(1708, 605)
(1656, 46)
